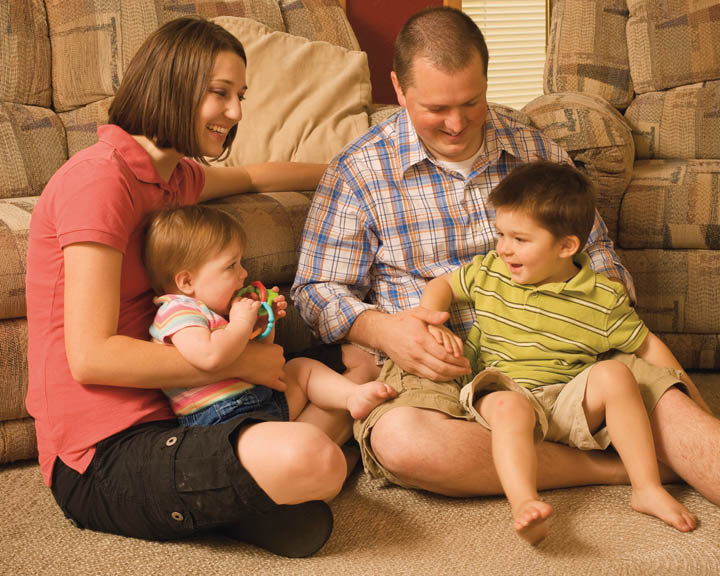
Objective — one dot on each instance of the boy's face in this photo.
(216, 281)
(531, 252)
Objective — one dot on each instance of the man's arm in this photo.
(603, 258)
(337, 257)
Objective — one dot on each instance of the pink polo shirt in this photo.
(103, 194)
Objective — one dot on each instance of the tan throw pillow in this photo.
(305, 100)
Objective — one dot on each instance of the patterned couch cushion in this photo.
(673, 43)
(81, 124)
(93, 41)
(672, 204)
(32, 148)
(677, 290)
(24, 39)
(319, 20)
(14, 226)
(597, 139)
(587, 51)
(306, 100)
(678, 123)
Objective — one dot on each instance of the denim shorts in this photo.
(256, 399)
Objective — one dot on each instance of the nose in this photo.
(454, 121)
(242, 273)
(502, 246)
(234, 110)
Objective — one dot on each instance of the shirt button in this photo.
(170, 441)
(177, 516)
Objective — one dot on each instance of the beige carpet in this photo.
(380, 529)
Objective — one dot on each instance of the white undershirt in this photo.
(464, 167)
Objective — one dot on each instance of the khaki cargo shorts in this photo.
(560, 416)
(559, 407)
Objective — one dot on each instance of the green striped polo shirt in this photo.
(540, 335)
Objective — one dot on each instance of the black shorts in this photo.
(163, 481)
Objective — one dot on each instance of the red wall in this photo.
(376, 23)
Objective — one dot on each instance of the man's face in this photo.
(448, 109)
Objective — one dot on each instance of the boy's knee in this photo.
(512, 407)
(614, 377)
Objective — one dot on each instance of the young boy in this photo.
(193, 257)
(543, 317)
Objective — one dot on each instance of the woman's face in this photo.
(220, 107)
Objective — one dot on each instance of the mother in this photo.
(109, 445)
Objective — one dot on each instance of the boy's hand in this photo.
(445, 337)
(244, 311)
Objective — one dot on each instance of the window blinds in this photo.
(516, 34)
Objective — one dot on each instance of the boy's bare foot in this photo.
(656, 501)
(367, 397)
(529, 520)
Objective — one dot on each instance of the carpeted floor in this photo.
(381, 529)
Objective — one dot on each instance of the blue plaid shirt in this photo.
(386, 219)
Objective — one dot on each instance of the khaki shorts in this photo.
(560, 415)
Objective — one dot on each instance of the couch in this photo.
(632, 91)
(60, 61)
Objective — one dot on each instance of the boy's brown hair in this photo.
(183, 238)
(165, 81)
(447, 37)
(558, 196)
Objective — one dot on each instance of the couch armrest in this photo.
(598, 140)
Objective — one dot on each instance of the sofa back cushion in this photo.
(673, 43)
(24, 53)
(305, 100)
(587, 50)
(319, 20)
(93, 41)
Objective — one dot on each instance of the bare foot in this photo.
(367, 397)
(529, 520)
(656, 501)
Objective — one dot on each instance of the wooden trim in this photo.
(457, 4)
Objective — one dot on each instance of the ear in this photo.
(569, 245)
(184, 282)
(398, 89)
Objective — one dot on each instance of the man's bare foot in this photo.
(656, 501)
(529, 520)
(367, 397)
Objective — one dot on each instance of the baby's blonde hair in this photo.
(185, 237)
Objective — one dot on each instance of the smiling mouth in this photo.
(218, 129)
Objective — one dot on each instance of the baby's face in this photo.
(217, 280)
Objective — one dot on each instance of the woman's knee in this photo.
(293, 462)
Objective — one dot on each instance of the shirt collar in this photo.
(134, 155)
(500, 132)
(582, 283)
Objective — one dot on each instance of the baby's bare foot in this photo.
(529, 520)
(367, 397)
(656, 501)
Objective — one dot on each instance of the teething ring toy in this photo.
(256, 291)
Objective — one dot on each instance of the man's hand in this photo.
(405, 337)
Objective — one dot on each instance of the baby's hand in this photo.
(452, 343)
(244, 311)
(279, 305)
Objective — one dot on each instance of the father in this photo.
(406, 203)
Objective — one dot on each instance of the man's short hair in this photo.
(446, 37)
(558, 196)
(165, 81)
(184, 238)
